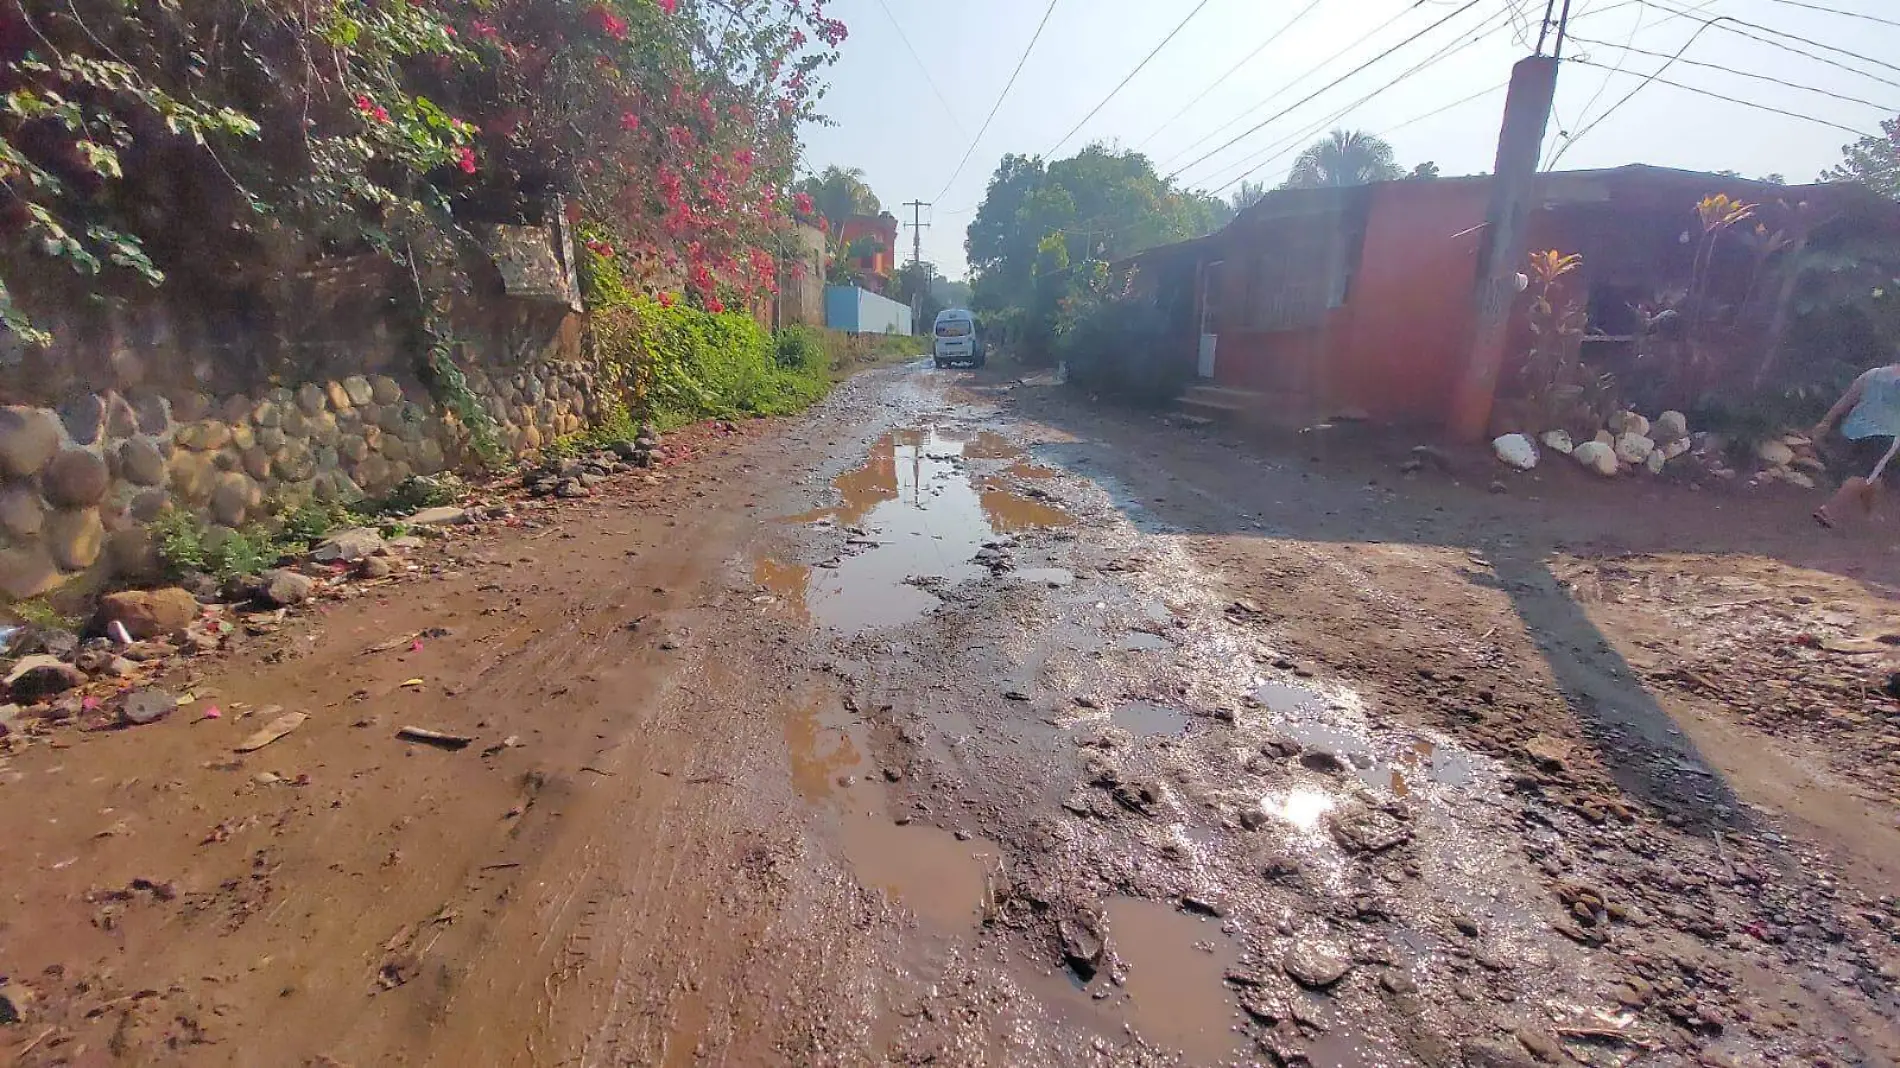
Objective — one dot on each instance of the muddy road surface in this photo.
(964, 723)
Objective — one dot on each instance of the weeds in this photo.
(41, 614)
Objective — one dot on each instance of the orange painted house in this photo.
(873, 271)
(1314, 303)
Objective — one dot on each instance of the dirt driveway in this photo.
(963, 723)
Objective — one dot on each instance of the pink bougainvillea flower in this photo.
(629, 121)
(666, 300)
(484, 28)
(715, 306)
(381, 113)
(803, 203)
(608, 23)
(465, 159)
(669, 6)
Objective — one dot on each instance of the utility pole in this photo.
(917, 226)
(1501, 248)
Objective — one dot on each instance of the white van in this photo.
(956, 340)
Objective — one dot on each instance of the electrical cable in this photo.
(1730, 99)
(1838, 11)
(1778, 33)
(1738, 73)
(1598, 121)
(1123, 84)
(1255, 162)
(1277, 93)
(1335, 82)
(1218, 82)
(921, 69)
(1000, 97)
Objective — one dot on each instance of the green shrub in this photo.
(187, 543)
(1115, 342)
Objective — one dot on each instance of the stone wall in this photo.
(90, 455)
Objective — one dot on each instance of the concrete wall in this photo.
(859, 311)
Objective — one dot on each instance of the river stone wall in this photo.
(78, 480)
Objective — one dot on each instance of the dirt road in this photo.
(964, 723)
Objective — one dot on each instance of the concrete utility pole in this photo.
(1501, 250)
(917, 226)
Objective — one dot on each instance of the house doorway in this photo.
(1210, 338)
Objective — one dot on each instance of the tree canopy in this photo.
(1872, 161)
(1101, 204)
(838, 193)
(1344, 157)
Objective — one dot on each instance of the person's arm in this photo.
(1842, 406)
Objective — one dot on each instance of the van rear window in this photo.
(953, 328)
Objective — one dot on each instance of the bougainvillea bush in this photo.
(142, 140)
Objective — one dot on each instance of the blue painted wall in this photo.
(859, 311)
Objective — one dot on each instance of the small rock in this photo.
(1542, 1044)
(375, 567)
(1654, 462)
(1316, 964)
(1368, 830)
(438, 517)
(1499, 487)
(1774, 453)
(1633, 448)
(571, 488)
(283, 587)
(1559, 441)
(36, 678)
(1483, 1053)
(1082, 942)
(1670, 427)
(141, 707)
(1516, 450)
(349, 545)
(1596, 456)
(1465, 925)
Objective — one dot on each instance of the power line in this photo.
(1604, 85)
(1734, 22)
(1277, 93)
(1255, 162)
(1284, 111)
(1218, 82)
(1730, 99)
(921, 69)
(1267, 155)
(1598, 121)
(1131, 76)
(1737, 73)
(1000, 97)
(1838, 11)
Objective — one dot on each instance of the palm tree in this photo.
(1248, 195)
(1345, 157)
(838, 193)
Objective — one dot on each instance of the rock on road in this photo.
(962, 723)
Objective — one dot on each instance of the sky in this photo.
(907, 119)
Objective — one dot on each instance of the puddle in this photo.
(784, 582)
(1302, 808)
(925, 869)
(1297, 714)
(1143, 642)
(924, 520)
(1030, 471)
(1145, 719)
(819, 739)
(1176, 994)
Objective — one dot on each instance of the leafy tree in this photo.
(1101, 204)
(838, 193)
(1425, 171)
(1249, 194)
(1872, 161)
(1344, 157)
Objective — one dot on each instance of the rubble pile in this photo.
(1631, 443)
(578, 476)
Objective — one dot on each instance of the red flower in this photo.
(629, 121)
(666, 300)
(450, 30)
(715, 306)
(484, 28)
(669, 6)
(803, 203)
(381, 113)
(465, 159)
(608, 23)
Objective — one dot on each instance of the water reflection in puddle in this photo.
(1303, 809)
(1299, 714)
(1145, 719)
(925, 869)
(1143, 642)
(818, 737)
(1175, 963)
(923, 519)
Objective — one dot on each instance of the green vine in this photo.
(450, 387)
